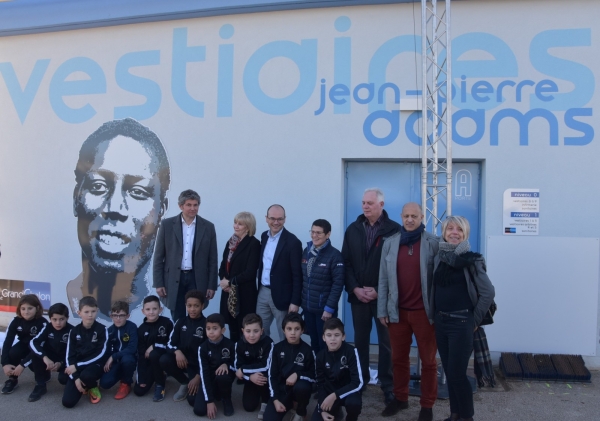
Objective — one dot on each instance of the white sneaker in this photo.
(297, 417)
(181, 394)
(263, 406)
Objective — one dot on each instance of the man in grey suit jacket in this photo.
(185, 257)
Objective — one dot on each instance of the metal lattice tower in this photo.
(436, 165)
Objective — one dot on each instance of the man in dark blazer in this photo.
(279, 272)
(185, 257)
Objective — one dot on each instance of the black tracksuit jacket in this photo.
(51, 343)
(253, 358)
(156, 334)
(87, 346)
(210, 357)
(338, 372)
(187, 336)
(287, 359)
(23, 329)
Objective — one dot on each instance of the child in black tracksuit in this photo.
(49, 350)
(122, 351)
(252, 363)
(153, 336)
(339, 377)
(181, 359)
(25, 326)
(215, 357)
(291, 372)
(86, 355)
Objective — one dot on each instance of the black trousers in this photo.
(41, 374)
(454, 336)
(253, 395)
(221, 388)
(149, 372)
(16, 353)
(300, 393)
(363, 315)
(89, 376)
(352, 402)
(169, 364)
(187, 283)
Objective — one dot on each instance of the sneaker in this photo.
(95, 395)
(181, 394)
(9, 386)
(263, 406)
(123, 391)
(227, 407)
(297, 417)
(159, 393)
(426, 414)
(38, 391)
(394, 407)
(388, 397)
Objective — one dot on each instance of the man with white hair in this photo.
(361, 251)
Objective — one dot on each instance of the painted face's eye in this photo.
(98, 187)
(139, 193)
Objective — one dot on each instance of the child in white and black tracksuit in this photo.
(252, 363)
(187, 336)
(215, 357)
(25, 326)
(86, 354)
(153, 337)
(49, 350)
(291, 372)
(339, 377)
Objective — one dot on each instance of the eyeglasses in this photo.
(315, 233)
(118, 316)
(271, 219)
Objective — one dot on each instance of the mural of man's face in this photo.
(118, 206)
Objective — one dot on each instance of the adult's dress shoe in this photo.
(394, 407)
(388, 397)
(426, 414)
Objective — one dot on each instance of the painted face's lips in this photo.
(112, 240)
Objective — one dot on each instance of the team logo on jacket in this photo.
(78, 337)
(225, 354)
(299, 359)
(199, 332)
(95, 337)
(323, 265)
(344, 362)
(65, 338)
(184, 328)
(51, 335)
(19, 329)
(260, 353)
(247, 353)
(146, 333)
(33, 331)
(162, 332)
(281, 355)
(327, 365)
(126, 337)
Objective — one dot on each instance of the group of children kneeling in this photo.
(278, 377)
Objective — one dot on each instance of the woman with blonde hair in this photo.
(238, 272)
(461, 295)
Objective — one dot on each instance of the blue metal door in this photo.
(401, 183)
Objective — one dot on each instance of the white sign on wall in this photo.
(521, 212)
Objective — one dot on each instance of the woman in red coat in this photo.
(239, 267)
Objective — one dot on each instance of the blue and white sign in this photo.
(521, 214)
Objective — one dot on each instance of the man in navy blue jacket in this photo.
(279, 272)
(323, 273)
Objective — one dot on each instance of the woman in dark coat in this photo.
(239, 268)
(461, 295)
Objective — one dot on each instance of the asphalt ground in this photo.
(522, 401)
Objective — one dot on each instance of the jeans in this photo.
(401, 339)
(314, 328)
(454, 337)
